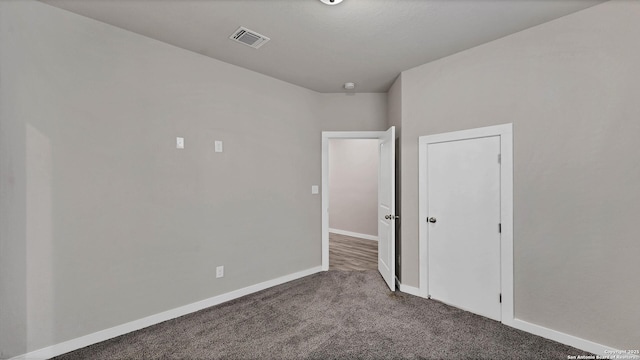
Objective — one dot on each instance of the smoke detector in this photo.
(331, 2)
(249, 37)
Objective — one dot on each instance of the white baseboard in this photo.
(567, 339)
(96, 337)
(78, 343)
(408, 289)
(354, 234)
(547, 333)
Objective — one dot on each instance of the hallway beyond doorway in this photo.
(351, 253)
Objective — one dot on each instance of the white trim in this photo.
(468, 134)
(96, 337)
(566, 339)
(506, 214)
(411, 290)
(353, 234)
(505, 132)
(423, 265)
(326, 135)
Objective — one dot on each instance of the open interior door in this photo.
(386, 208)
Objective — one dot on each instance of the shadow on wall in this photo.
(39, 239)
(13, 249)
(27, 296)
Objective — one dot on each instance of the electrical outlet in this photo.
(219, 272)
(179, 143)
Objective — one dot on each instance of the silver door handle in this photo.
(431, 219)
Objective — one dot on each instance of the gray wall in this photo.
(353, 180)
(353, 112)
(102, 220)
(394, 105)
(571, 89)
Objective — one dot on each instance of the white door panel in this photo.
(386, 208)
(463, 187)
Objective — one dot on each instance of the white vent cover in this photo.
(248, 37)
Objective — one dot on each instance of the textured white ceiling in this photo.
(321, 47)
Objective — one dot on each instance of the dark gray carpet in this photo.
(329, 315)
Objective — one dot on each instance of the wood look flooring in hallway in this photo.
(351, 253)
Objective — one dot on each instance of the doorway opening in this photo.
(353, 204)
(385, 204)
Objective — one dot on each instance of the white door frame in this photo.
(505, 132)
(326, 136)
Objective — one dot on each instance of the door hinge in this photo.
(499, 158)
(500, 228)
(500, 298)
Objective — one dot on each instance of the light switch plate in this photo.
(179, 143)
(314, 189)
(218, 146)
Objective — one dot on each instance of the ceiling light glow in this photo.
(331, 2)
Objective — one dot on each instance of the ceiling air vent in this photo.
(248, 37)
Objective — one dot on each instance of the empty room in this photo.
(187, 179)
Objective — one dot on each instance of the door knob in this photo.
(431, 219)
